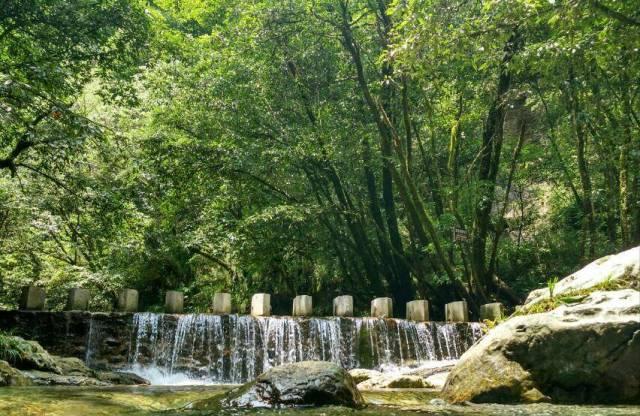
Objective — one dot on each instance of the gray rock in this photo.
(72, 366)
(578, 353)
(43, 378)
(121, 378)
(307, 383)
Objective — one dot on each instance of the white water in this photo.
(231, 349)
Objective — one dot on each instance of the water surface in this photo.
(169, 401)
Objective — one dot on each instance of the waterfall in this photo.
(235, 348)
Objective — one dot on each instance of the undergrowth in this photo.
(12, 348)
(575, 296)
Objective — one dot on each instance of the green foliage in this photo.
(551, 284)
(12, 348)
(317, 147)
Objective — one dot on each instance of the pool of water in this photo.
(167, 401)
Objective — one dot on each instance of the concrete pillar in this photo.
(491, 311)
(302, 305)
(343, 306)
(418, 310)
(222, 303)
(32, 298)
(174, 302)
(382, 308)
(77, 299)
(128, 300)
(456, 311)
(261, 304)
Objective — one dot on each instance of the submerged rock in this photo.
(307, 383)
(393, 381)
(43, 378)
(362, 374)
(121, 378)
(579, 353)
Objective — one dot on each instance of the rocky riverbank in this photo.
(577, 344)
(29, 364)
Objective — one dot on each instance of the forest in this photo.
(417, 149)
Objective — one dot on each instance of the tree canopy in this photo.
(427, 149)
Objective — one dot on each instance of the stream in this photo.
(172, 400)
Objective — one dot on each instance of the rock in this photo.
(261, 304)
(343, 305)
(10, 376)
(437, 380)
(393, 381)
(71, 366)
(362, 374)
(121, 378)
(577, 353)
(33, 357)
(426, 372)
(621, 267)
(221, 303)
(43, 378)
(306, 383)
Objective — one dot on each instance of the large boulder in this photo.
(307, 383)
(580, 353)
(620, 270)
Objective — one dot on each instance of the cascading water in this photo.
(234, 349)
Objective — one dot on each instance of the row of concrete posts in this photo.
(33, 298)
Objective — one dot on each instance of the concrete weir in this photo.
(302, 306)
(32, 298)
(382, 308)
(456, 311)
(78, 299)
(418, 310)
(491, 311)
(343, 306)
(236, 348)
(261, 304)
(221, 303)
(174, 302)
(128, 300)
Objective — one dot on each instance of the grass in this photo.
(12, 348)
(576, 296)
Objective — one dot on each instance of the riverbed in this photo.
(175, 400)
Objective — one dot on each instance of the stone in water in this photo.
(418, 310)
(343, 306)
(382, 308)
(302, 305)
(491, 311)
(456, 311)
(222, 303)
(261, 304)
(128, 300)
(78, 299)
(32, 298)
(174, 302)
